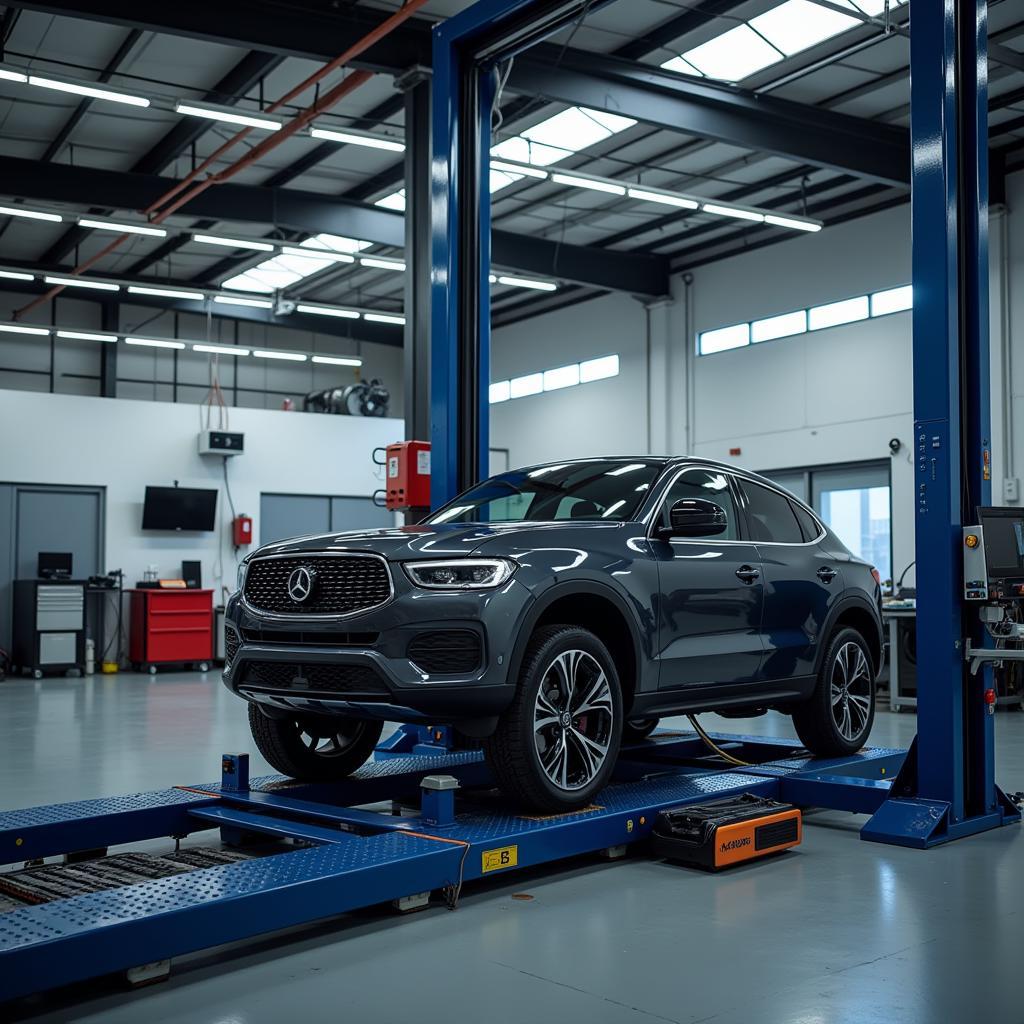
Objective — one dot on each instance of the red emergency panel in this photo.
(408, 475)
(241, 530)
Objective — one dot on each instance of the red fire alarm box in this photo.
(241, 530)
(408, 475)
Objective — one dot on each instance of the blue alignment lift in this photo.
(325, 850)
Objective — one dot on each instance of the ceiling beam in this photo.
(263, 25)
(639, 273)
(839, 142)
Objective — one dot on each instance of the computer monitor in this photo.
(1003, 530)
(54, 565)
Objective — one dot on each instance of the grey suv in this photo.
(554, 613)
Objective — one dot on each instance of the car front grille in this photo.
(453, 651)
(283, 677)
(231, 643)
(341, 584)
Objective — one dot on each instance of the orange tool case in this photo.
(724, 832)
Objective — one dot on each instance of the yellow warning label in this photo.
(503, 857)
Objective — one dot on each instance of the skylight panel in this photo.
(502, 179)
(733, 55)
(798, 24)
(682, 66)
(783, 326)
(870, 7)
(525, 151)
(339, 243)
(577, 128)
(286, 269)
(893, 300)
(833, 314)
(394, 201)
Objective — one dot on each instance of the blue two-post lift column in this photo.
(947, 787)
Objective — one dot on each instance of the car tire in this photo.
(837, 719)
(540, 758)
(638, 729)
(314, 749)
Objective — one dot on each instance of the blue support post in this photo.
(947, 787)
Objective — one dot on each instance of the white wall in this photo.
(123, 445)
(833, 396)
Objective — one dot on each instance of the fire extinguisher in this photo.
(241, 530)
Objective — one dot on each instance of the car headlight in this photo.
(461, 573)
(243, 568)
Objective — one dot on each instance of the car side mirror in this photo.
(696, 517)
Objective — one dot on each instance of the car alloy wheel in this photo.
(573, 721)
(850, 691)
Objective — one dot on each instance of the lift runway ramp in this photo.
(340, 855)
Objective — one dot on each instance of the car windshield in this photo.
(605, 489)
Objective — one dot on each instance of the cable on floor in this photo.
(709, 742)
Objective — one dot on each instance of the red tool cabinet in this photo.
(171, 626)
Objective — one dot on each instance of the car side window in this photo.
(807, 522)
(770, 516)
(708, 484)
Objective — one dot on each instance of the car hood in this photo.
(442, 540)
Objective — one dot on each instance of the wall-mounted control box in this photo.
(221, 442)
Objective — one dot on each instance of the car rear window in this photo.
(807, 522)
(770, 516)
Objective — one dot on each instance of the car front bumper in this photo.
(296, 651)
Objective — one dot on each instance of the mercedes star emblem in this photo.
(300, 584)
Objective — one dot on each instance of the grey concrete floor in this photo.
(835, 931)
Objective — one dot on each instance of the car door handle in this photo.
(748, 573)
(826, 575)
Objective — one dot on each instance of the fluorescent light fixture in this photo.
(893, 300)
(320, 254)
(232, 300)
(344, 314)
(732, 211)
(530, 384)
(492, 279)
(662, 197)
(22, 329)
(9, 74)
(733, 55)
(381, 263)
(227, 350)
(724, 338)
(165, 293)
(523, 170)
(293, 357)
(599, 369)
(154, 342)
(353, 137)
(392, 201)
(14, 275)
(229, 115)
(233, 243)
(562, 377)
(833, 314)
(799, 24)
(791, 222)
(783, 326)
(86, 336)
(499, 391)
(78, 282)
(337, 360)
(121, 227)
(85, 89)
(21, 211)
(594, 184)
(526, 282)
(384, 318)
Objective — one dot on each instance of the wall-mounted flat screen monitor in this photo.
(179, 508)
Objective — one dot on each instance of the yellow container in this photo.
(109, 668)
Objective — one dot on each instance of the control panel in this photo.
(975, 569)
